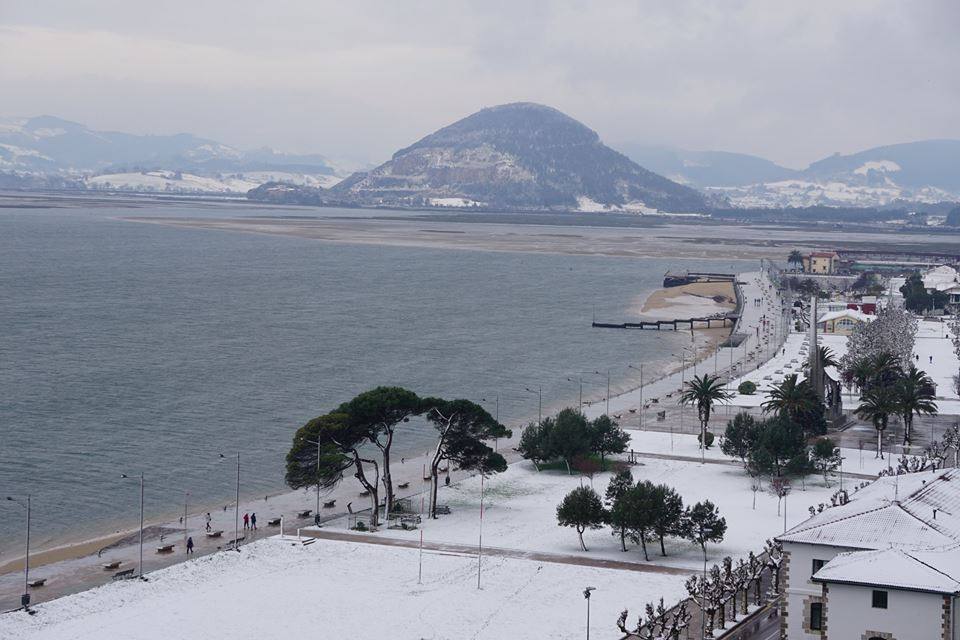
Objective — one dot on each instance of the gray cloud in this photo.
(791, 81)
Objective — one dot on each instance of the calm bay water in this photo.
(128, 347)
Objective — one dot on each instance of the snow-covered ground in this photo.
(788, 360)
(276, 589)
(177, 182)
(806, 193)
(167, 181)
(520, 507)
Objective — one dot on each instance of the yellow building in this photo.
(841, 322)
(824, 262)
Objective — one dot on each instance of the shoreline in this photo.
(706, 339)
(81, 557)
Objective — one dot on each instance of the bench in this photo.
(165, 548)
(110, 566)
(661, 415)
(364, 493)
(403, 485)
(329, 504)
(39, 582)
(126, 574)
(305, 514)
(274, 523)
(443, 509)
(215, 534)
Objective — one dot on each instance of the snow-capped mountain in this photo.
(520, 155)
(926, 171)
(47, 147)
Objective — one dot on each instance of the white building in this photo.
(883, 566)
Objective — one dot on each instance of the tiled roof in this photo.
(890, 512)
(934, 571)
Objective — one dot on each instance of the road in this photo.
(760, 327)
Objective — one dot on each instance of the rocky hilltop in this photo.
(521, 155)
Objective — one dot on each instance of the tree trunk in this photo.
(663, 551)
(435, 476)
(583, 547)
(566, 461)
(907, 427)
(623, 540)
(879, 444)
(371, 487)
(643, 545)
(387, 481)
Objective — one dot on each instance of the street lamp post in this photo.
(317, 442)
(25, 598)
(641, 391)
(586, 595)
(703, 601)
(608, 389)
(140, 566)
(236, 515)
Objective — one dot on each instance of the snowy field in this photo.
(520, 508)
(275, 589)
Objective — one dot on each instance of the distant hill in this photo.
(895, 175)
(520, 155)
(707, 168)
(50, 151)
(912, 165)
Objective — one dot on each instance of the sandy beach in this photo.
(690, 300)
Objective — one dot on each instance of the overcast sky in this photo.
(790, 81)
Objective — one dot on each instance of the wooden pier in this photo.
(673, 325)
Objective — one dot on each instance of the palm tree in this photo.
(795, 258)
(886, 369)
(827, 358)
(791, 398)
(862, 372)
(876, 405)
(702, 392)
(915, 395)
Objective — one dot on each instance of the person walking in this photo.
(253, 521)
(190, 545)
(246, 521)
(208, 521)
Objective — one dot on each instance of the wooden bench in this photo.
(443, 509)
(274, 523)
(364, 493)
(165, 548)
(329, 504)
(126, 574)
(110, 566)
(39, 582)
(215, 534)
(403, 485)
(305, 514)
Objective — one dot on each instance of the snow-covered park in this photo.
(276, 587)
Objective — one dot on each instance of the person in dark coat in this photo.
(190, 545)
(253, 521)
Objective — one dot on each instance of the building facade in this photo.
(882, 565)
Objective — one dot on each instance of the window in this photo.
(879, 599)
(816, 616)
(817, 565)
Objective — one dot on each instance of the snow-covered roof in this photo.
(845, 313)
(890, 512)
(936, 571)
(939, 276)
